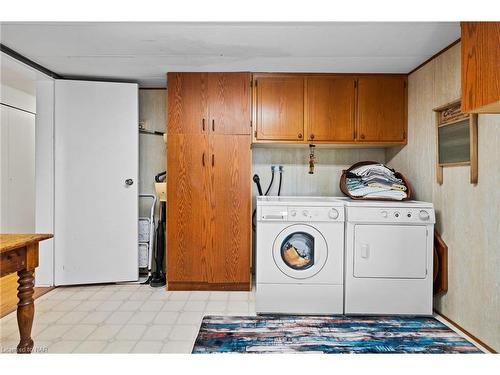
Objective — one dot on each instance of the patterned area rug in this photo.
(327, 334)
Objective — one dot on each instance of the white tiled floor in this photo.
(122, 319)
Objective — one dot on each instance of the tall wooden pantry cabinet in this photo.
(209, 181)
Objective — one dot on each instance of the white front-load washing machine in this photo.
(299, 255)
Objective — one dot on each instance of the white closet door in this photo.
(96, 212)
(17, 170)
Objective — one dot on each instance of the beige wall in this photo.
(468, 216)
(152, 110)
(296, 180)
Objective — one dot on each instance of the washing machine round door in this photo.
(300, 251)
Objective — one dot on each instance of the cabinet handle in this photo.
(213, 160)
(362, 136)
(203, 159)
(213, 125)
(311, 137)
(300, 135)
(203, 124)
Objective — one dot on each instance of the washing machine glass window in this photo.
(297, 250)
(300, 251)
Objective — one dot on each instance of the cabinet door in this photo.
(229, 103)
(381, 109)
(187, 217)
(230, 163)
(187, 105)
(279, 105)
(329, 110)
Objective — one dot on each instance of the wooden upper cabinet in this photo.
(229, 103)
(187, 105)
(480, 67)
(329, 108)
(382, 109)
(279, 107)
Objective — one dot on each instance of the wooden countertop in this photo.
(15, 241)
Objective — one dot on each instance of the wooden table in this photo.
(19, 253)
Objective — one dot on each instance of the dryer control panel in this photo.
(410, 215)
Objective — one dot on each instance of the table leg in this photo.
(25, 310)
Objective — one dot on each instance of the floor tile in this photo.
(179, 296)
(53, 332)
(63, 346)
(119, 317)
(49, 317)
(239, 296)
(199, 296)
(131, 306)
(120, 295)
(105, 332)
(219, 296)
(148, 347)
(140, 296)
(237, 307)
(190, 318)
(160, 294)
(82, 295)
(109, 306)
(143, 317)
(216, 306)
(194, 306)
(131, 332)
(181, 347)
(67, 305)
(91, 347)
(173, 305)
(166, 317)
(79, 332)
(119, 347)
(152, 305)
(157, 332)
(184, 332)
(87, 305)
(72, 317)
(96, 317)
(104, 295)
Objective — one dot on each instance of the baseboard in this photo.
(202, 286)
(457, 326)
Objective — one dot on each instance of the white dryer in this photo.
(299, 255)
(389, 257)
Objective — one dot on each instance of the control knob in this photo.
(424, 215)
(293, 213)
(333, 214)
(305, 213)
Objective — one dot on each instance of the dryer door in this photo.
(300, 251)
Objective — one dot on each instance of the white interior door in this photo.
(96, 211)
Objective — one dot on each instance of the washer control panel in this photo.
(315, 214)
(391, 214)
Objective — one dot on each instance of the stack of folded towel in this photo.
(375, 181)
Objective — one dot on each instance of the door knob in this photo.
(300, 135)
(311, 137)
(129, 182)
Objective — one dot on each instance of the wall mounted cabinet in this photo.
(330, 109)
(279, 107)
(209, 182)
(480, 45)
(205, 103)
(381, 110)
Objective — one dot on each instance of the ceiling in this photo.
(144, 52)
